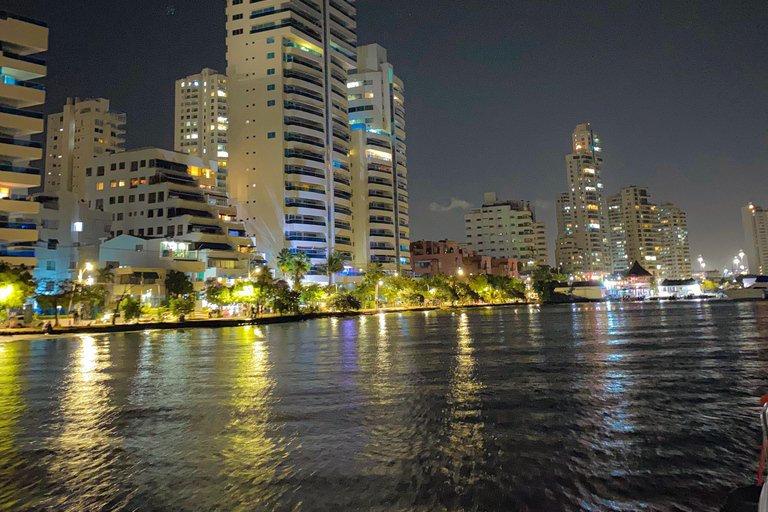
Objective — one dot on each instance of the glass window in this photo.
(271, 71)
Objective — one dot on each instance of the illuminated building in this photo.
(83, 130)
(675, 251)
(378, 161)
(581, 237)
(506, 229)
(430, 258)
(634, 230)
(289, 135)
(155, 193)
(755, 222)
(20, 39)
(201, 121)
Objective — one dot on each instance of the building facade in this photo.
(378, 160)
(20, 88)
(430, 258)
(675, 250)
(582, 235)
(70, 235)
(289, 137)
(155, 193)
(201, 120)
(755, 223)
(83, 130)
(634, 230)
(506, 229)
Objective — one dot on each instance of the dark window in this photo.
(141, 197)
(271, 71)
(271, 55)
(160, 197)
(121, 199)
(122, 165)
(151, 197)
(113, 167)
(89, 171)
(237, 32)
(141, 233)
(160, 230)
(270, 40)
(271, 87)
(150, 213)
(143, 163)
(170, 231)
(135, 166)
(237, 17)
(131, 198)
(271, 103)
(130, 232)
(100, 171)
(271, 135)
(150, 231)
(99, 204)
(159, 212)
(112, 200)
(237, 2)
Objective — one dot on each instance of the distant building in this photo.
(20, 39)
(83, 130)
(755, 223)
(634, 230)
(506, 229)
(582, 240)
(202, 121)
(430, 258)
(675, 250)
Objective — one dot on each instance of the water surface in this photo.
(588, 407)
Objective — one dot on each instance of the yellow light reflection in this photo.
(12, 406)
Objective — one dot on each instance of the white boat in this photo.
(757, 290)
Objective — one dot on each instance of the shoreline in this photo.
(34, 333)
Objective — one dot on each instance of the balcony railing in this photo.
(4, 15)
(20, 170)
(19, 112)
(17, 254)
(17, 225)
(24, 58)
(17, 142)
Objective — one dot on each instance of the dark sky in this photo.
(677, 91)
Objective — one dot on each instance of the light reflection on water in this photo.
(600, 407)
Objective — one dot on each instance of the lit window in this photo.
(100, 185)
(121, 183)
(77, 227)
(113, 184)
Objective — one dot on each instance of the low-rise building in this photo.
(679, 288)
(429, 258)
(155, 193)
(590, 290)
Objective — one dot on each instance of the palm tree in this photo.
(300, 265)
(285, 261)
(334, 264)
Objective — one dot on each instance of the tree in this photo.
(285, 261)
(708, 286)
(299, 268)
(344, 301)
(92, 298)
(177, 284)
(285, 300)
(312, 295)
(545, 280)
(57, 294)
(181, 306)
(16, 286)
(131, 309)
(334, 264)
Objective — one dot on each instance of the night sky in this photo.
(676, 90)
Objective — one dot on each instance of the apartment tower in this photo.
(289, 139)
(675, 251)
(755, 222)
(507, 229)
(378, 161)
(581, 247)
(83, 130)
(201, 120)
(634, 231)
(20, 71)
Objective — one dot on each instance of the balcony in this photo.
(24, 256)
(20, 93)
(23, 207)
(16, 149)
(18, 177)
(21, 122)
(18, 231)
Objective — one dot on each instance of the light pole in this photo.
(88, 267)
(377, 293)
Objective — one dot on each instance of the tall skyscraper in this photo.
(581, 247)
(201, 119)
(634, 231)
(675, 251)
(506, 229)
(379, 166)
(83, 130)
(755, 222)
(289, 136)
(20, 39)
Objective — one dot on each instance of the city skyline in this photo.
(662, 130)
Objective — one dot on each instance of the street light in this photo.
(460, 271)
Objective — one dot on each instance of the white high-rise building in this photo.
(201, 120)
(20, 69)
(634, 231)
(755, 222)
(289, 136)
(581, 247)
(675, 251)
(379, 166)
(507, 229)
(83, 130)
